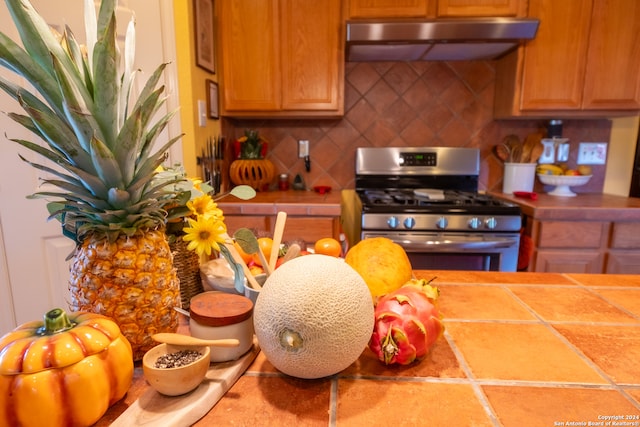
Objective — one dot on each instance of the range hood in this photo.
(436, 40)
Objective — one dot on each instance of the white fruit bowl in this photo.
(563, 182)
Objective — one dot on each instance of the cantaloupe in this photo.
(313, 317)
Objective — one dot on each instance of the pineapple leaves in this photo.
(105, 78)
(106, 165)
(14, 58)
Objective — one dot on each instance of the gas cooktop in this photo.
(433, 201)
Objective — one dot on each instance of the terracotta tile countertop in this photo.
(597, 207)
(520, 349)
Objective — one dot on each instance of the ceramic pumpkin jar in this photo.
(250, 166)
(64, 371)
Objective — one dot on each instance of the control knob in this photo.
(392, 222)
(491, 223)
(409, 222)
(442, 223)
(474, 223)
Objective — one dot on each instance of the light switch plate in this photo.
(202, 113)
(592, 153)
(303, 148)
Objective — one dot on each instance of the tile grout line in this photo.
(575, 349)
(333, 402)
(477, 390)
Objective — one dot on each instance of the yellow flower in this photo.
(204, 206)
(205, 234)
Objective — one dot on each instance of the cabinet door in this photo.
(623, 262)
(565, 261)
(612, 78)
(458, 8)
(388, 8)
(554, 61)
(249, 44)
(312, 55)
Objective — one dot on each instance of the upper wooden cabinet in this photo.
(434, 8)
(281, 58)
(583, 62)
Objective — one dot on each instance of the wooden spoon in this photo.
(180, 339)
(536, 152)
(502, 152)
(278, 231)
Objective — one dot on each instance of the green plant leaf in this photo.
(247, 240)
(243, 192)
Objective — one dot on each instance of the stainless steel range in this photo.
(426, 199)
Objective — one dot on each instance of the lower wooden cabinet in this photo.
(584, 246)
(299, 228)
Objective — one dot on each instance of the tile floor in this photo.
(520, 349)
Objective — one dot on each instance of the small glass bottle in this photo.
(283, 182)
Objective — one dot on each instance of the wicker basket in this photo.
(187, 264)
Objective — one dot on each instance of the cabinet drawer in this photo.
(564, 234)
(623, 262)
(310, 229)
(259, 223)
(625, 235)
(561, 261)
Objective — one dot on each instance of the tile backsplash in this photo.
(410, 104)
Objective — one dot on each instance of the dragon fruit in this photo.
(407, 323)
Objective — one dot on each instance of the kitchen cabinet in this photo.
(624, 255)
(589, 233)
(583, 62)
(568, 246)
(298, 228)
(435, 8)
(310, 216)
(281, 58)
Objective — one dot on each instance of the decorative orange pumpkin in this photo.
(65, 371)
(257, 173)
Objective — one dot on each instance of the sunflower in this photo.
(205, 206)
(205, 234)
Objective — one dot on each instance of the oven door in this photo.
(457, 251)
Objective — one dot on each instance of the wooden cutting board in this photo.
(154, 409)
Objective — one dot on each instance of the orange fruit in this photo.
(382, 263)
(245, 256)
(328, 246)
(266, 244)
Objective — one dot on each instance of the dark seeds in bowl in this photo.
(177, 359)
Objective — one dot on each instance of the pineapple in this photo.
(100, 140)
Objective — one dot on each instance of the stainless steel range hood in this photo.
(436, 40)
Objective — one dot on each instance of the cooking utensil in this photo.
(536, 152)
(292, 252)
(527, 147)
(515, 147)
(278, 231)
(526, 195)
(502, 152)
(181, 339)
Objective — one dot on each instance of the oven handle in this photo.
(447, 244)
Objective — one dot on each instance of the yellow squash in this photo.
(65, 371)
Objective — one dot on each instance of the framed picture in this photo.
(205, 52)
(212, 99)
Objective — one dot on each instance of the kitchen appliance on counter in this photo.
(426, 199)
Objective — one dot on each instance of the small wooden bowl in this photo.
(175, 381)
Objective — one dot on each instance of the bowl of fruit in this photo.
(563, 179)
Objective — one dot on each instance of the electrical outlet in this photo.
(303, 148)
(592, 153)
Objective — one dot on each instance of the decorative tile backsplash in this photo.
(410, 104)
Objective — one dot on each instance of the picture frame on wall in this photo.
(212, 99)
(205, 46)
